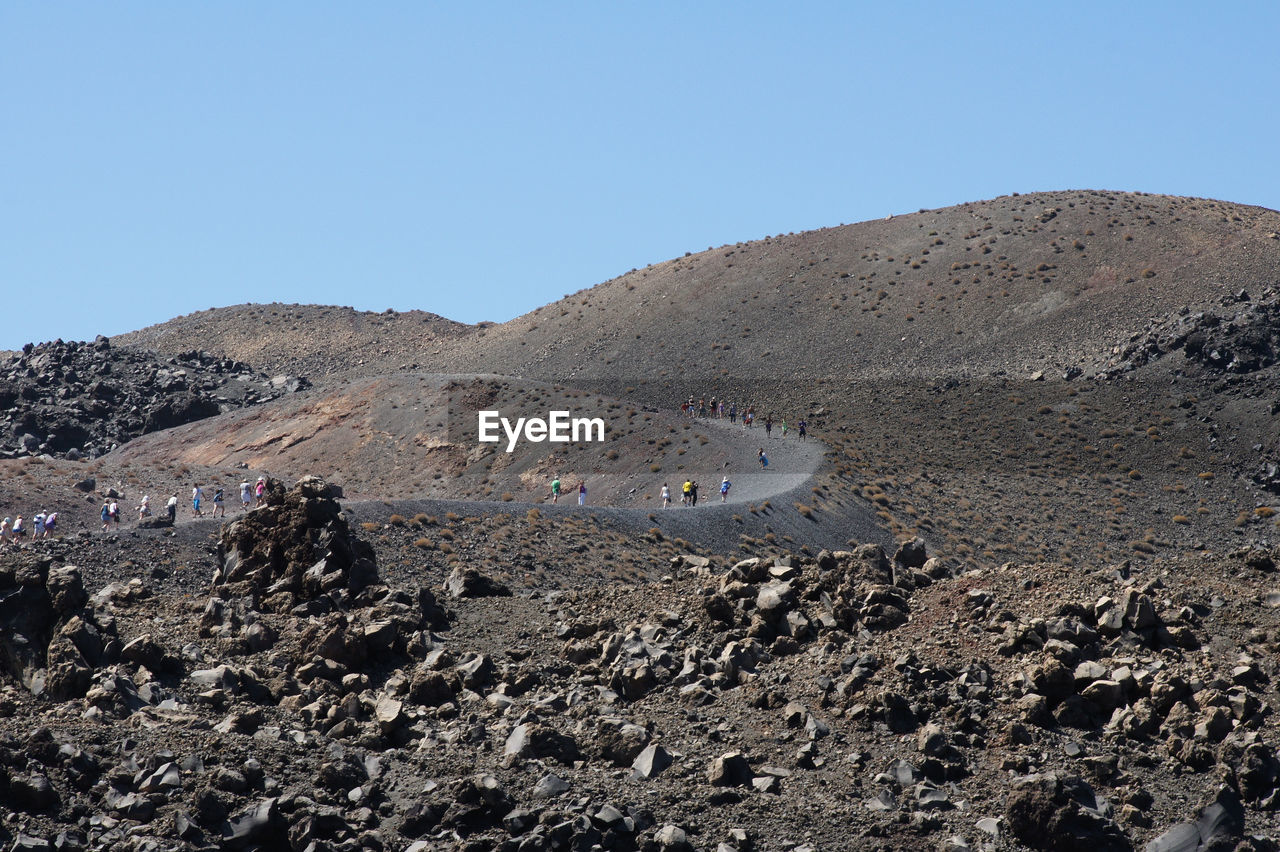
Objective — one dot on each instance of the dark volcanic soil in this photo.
(767, 704)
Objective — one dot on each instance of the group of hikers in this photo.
(250, 496)
(689, 493)
(718, 409)
(14, 531)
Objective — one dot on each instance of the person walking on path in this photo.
(114, 508)
(784, 427)
(666, 496)
(4, 532)
(144, 507)
(37, 526)
(246, 496)
(686, 492)
(50, 522)
(219, 510)
(555, 490)
(582, 493)
(260, 491)
(725, 485)
(733, 412)
(803, 428)
(197, 495)
(171, 508)
(764, 460)
(768, 425)
(105, 514)
(693, 494)
(19, 530)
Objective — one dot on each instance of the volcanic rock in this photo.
(295, 549)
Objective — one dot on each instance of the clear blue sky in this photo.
(480, 159)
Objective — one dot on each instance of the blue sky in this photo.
(480, 159)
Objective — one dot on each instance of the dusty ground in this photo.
(966, 677)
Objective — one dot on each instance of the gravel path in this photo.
(760, 502)
(792, 463)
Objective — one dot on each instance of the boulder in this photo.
(911, 554)
(730, 770)
(470, 583)
(650, 762)
(297, 548)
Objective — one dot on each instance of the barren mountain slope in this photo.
(1019, 283)
(311, 340)
(910, 344)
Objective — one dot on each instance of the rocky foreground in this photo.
(82, 399)
(296, 700)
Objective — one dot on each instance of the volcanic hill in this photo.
(1017, 589)
(912, 345)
